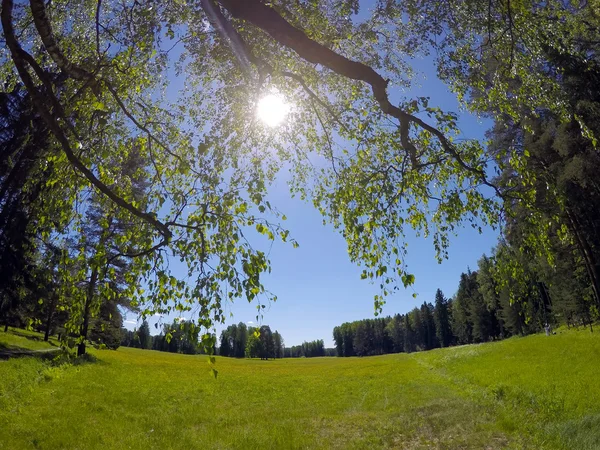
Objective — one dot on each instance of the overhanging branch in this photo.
(269, 20)
(51, 122)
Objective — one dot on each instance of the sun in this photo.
(272, 109)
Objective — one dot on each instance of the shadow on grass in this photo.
(13, 351)
(66, 357)
(55, 357)
(20, 333)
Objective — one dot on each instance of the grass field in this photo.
(534, 392)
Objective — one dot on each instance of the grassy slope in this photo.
(23, 339)
(535, 392)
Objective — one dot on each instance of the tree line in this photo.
(77, 286)
(309, 349)
(242, 341)
(548, 255)
(475, 314)
(180, 336)
(239, 341)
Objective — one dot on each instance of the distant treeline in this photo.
(236, 341)
(475, 314)
(176, 337)
(309, 349)
(239, 341)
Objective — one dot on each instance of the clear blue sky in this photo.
(317, 286)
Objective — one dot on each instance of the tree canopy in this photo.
(176, 85)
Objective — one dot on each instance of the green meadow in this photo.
(537, 392)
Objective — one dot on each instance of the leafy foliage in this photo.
(97, 79)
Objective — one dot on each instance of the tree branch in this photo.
(44, 28)
(42, 24)
(98, 7)
(139, 253)
(269, 20)
(131, 117)
(309, 91)
(40, 103)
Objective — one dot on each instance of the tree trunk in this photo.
(545, 297)
(588, 256)
(6, 327)
(47, 332)
(86, 312)
(51, 308)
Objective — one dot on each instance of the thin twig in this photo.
(98, 28)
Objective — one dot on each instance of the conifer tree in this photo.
(442, 319)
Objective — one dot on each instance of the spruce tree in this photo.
(442, 320)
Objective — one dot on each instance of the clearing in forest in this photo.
(534, 392)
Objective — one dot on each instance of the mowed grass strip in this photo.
(463, 398)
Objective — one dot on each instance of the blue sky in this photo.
(316, 284)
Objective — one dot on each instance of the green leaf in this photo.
(99, 106)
